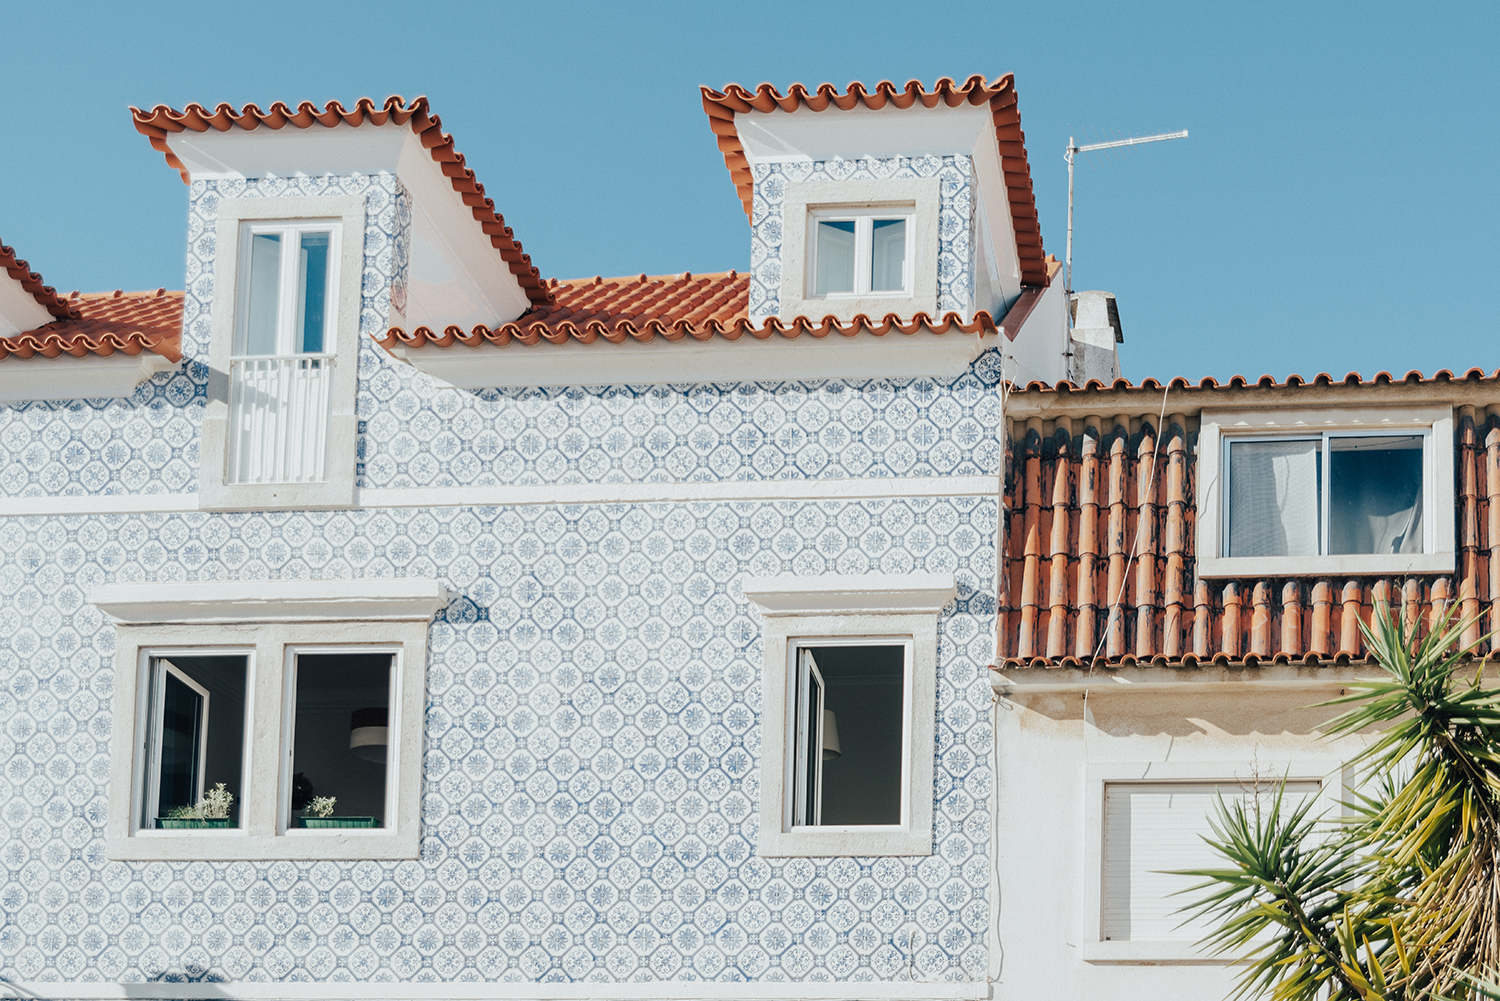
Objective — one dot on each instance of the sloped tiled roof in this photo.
(674, 307)
(45, 295)
(1294, 381)
(1000, 96)
(104, 323)
(161, 122)
(1078, 500)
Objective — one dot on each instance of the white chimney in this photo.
(1096, 331)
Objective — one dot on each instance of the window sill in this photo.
(236, 846)
(1249, 567)
(804, 842)
(1150, 953)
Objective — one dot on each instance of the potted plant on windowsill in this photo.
(211, 810)
(321, 808)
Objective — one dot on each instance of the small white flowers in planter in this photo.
(322, 806)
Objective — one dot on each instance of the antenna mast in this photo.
(1073, 150)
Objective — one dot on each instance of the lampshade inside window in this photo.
(369, 734)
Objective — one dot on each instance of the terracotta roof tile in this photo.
(44, 294)
(105, 322)
(675, 307)
(1000, 96)
(1077, 498)
(161, 122)
(1293, 381)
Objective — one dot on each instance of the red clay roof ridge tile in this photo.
(722, 106)
(46, 296)
(161, 122)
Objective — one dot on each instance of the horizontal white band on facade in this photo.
(367, 991)
(874, 488)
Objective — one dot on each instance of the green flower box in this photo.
(323, 822)
(189, 824)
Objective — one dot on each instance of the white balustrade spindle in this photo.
(278, 418)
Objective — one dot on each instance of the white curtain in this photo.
(1273, 498)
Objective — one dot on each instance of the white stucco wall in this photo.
(1047, 746)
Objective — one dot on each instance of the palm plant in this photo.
(1400, 901)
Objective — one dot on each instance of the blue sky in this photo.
(1336, 207)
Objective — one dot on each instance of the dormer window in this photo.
(283, 347)
(286, 308)
(860, 253)
(860, 247)
(280, 375)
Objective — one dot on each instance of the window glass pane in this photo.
(835, 257)
(888, 256)
(196, 740)
(860, 734)
(1149, 828)
(1273, 498)
(340, 737)
(1375, 494)
(312, 292)
(263, 304)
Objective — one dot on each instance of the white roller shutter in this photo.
(1150, 827)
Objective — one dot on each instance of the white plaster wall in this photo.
(1045, 745)
(1037, 353)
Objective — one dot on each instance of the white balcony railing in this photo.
(278, 418)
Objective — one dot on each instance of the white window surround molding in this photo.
(917, 198)
(92, 377)
(825, 609)
(1219, 425)
(678, 990)
(378, 616)
(1328, 771)
(337, 489)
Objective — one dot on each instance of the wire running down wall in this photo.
(1077, 492)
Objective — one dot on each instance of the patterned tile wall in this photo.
(148, 443)
(955, 220)
(591, 769)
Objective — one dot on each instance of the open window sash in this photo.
(807, 796)
(177, 739)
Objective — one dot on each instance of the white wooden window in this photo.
(1145, 819)
(279, 428)
(1151, 828)
(850, 693)
(849, 733)
(281, 373)
(860, 252)
(1328, 491)
(283, 691)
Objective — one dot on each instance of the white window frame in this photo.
(215, 617)
(286, 330)
(345, 215)
(289, 731)
(804, 202)
(864, 220)
(1220, 427)
(1099, 776)
(155, 696)
(844, 610)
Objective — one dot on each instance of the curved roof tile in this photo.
(105, 322)
(722, 106)
(161, 122)
(45, 295)
(674, 307)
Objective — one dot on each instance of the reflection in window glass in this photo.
(835, 257)
(1273, 498)
(263, 307)
(312, 286)
(849, 733)
(339, 740)
(1375, 494)
(888, 255)
(195, 739)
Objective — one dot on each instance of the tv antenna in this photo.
(1073, 150)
